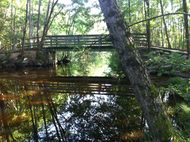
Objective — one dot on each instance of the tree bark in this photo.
(157, 120)
(147, 15)
(165, 26)
(47, 21)
(30, 12)
(186, 26)
(25, 26)
(13, 13)
(38, 22)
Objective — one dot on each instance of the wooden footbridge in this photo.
(95, 42)
(98, 42)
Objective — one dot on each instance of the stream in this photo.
(47, 105)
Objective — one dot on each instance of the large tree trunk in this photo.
(157, 120)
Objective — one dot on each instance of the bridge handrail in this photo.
(92, 40)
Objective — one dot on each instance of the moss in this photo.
(154, 91)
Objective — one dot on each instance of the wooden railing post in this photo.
(78, 39)
(51, 41)
(56, 41)
(100, 40)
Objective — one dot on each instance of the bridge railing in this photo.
(91, 41)
(140, 39)
(99, 42)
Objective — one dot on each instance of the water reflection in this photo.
(85, 63)
(50, 108)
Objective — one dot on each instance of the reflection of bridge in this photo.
(81, 85)
(74, 42)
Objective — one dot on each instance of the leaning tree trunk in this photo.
(147, 97)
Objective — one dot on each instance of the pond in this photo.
(53, 105)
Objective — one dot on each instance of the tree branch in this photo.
(152, 18)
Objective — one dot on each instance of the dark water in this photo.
(42, 106)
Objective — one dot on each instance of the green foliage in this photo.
(178, 97)
(83, 22)
(167, 63)
(115, 65)
(177, 89)
(182, 117)
(180, 87)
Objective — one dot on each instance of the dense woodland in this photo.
(165, 23)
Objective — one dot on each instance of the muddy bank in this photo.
(30, 58)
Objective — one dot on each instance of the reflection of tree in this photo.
(6, 134)
(25, 109)
(3, 121)
(44, 111)
(34, 120)
(98, 118)
(60, 132)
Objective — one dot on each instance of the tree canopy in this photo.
(84, 17)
